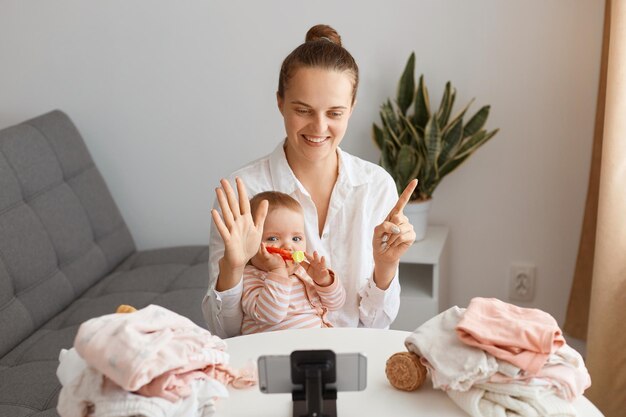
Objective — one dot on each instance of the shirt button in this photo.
(325, 235)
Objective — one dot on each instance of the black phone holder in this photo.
(314, 370)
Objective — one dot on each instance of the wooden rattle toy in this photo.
(405, 371)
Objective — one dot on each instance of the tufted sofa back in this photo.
(60, 230)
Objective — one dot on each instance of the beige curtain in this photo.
(577, 317)
(602, 272)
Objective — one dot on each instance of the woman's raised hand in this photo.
(240, 232)
(395, 235)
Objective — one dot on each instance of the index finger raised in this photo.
(404, 198)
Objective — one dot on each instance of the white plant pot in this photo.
(417, 212)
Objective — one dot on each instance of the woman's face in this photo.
(316, 107)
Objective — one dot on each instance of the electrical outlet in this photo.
(522, 282)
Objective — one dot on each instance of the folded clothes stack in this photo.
(497, 359)
(151, 362)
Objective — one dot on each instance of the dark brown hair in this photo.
(276, 200)
(321, 49)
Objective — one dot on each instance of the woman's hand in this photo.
(391, 239)
(316, 268)
(240, 233)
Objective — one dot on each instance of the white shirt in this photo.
(363, 196)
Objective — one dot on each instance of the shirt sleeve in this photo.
(333, 297)
(378, 308)
(221, 310)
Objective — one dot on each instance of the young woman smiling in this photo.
(353, 216)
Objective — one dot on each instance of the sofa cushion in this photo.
(175, 278)
(60, 230)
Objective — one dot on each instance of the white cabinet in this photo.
(423, 279)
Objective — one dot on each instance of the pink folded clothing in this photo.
(133, 349)
(173, 386)
(524, 337)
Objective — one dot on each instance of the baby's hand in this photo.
(269, 262)
(316, 268)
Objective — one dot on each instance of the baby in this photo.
(280, 294)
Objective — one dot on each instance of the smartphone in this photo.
(275, 373)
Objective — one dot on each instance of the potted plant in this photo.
(416, 142)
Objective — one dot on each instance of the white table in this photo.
(378, 399)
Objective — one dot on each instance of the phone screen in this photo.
(275, 373)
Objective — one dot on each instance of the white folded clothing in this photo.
(511, 400)
(71, 365)
(451, 363)
(564, 373)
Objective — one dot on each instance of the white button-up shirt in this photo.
(362, 198)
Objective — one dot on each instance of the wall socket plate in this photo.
(522, 282)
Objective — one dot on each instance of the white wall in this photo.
(172, 95)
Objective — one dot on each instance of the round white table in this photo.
(378, 399)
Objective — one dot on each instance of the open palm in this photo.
(240, 232)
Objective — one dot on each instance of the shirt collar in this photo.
(284, 179)
(349, 172)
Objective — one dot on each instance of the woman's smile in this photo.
(315, 140)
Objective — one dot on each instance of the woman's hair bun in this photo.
(323, 32)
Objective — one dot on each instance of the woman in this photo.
(352, 212)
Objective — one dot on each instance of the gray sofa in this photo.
(66, 255)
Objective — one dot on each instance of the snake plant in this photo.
(416, 142)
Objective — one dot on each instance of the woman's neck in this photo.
(318, 178)
(310, 173)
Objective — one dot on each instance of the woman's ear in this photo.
(280, 102)
(352, 107)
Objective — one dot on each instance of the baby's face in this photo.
(284, 228)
